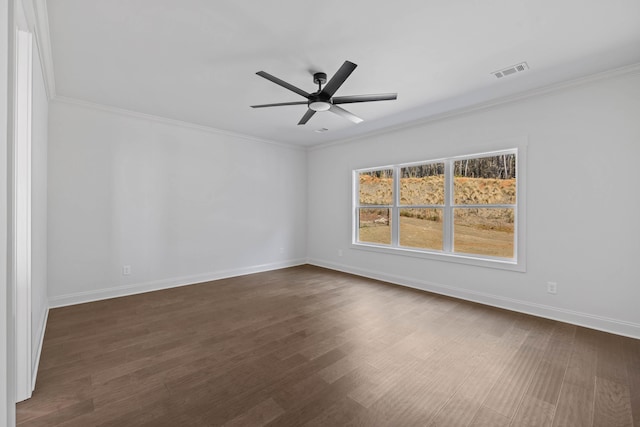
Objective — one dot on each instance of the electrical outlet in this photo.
(339, 252)
(552, 288)
(126, 270)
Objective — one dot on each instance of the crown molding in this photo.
(172, 122)
(618, 72)
(38, 22)
(628, 70)
(43, 39)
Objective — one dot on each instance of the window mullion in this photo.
(447, 244)
(355, 203)
(395, 212)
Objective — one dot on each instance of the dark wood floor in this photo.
(313, 347)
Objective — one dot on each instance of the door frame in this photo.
(21, 197)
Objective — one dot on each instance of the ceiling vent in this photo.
(511, 70)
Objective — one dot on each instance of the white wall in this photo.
(39, 136)
(582, 206)
(177, 204)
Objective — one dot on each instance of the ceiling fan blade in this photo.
(364, 98)
(283, 83)
(338, 78)
(306, 116)
(279, 104)
(344, 113)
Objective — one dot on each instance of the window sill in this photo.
(497, 263)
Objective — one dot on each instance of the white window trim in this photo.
(518, 263)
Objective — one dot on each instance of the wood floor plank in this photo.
(458, 411)
(321, 403)
(485, 369)
(546, 382)
(611, 364)
(509, 390)
(258, 416)
(575, 406)
(59, 416)
(489, 418)
(369, 393)
(577, 392)
(631, 350)
(612, 406)
(534, 412)
(311, 346)
(282, 381)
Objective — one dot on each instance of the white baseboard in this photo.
(605, 324)
(156, 285)
(36, 363)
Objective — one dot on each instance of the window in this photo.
(463, 209)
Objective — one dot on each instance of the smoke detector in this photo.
(518, 68)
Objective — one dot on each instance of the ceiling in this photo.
(195, 60)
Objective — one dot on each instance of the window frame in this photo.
(517, 263)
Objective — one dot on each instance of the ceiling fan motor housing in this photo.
(320, 78)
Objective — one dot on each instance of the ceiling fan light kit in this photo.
(320, 105)
(323, 99)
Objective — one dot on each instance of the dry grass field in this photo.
(484, 231)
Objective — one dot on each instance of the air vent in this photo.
(321, 130)
(511, 70)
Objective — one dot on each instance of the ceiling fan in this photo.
(323, 99)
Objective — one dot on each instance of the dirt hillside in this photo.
(430, 190)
